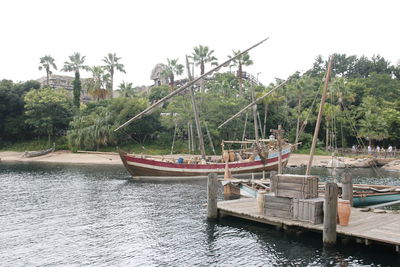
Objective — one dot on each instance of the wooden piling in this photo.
(330, 213)
(212, 189)
(261, 201)
(347, 187)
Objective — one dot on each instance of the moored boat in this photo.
(142, 167)
(363, 195)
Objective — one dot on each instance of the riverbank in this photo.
(111, 158)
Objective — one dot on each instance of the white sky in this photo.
(146, 32)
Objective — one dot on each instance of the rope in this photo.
(360, 141)
(303, 125)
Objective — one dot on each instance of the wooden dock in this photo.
(364, 227)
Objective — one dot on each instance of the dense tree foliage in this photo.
(12, 117)
(95, 123)
(48, 111)
(362, 107)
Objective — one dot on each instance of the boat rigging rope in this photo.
(304, 124)
(359, 140)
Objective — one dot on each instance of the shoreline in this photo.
(111, 158)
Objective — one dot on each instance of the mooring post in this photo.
(261, 201)
(330, 213)
(347, 187)
(212, 189)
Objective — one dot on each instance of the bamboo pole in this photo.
(254, 116)
(259, 125)
(319, 118)
(149, 109)
(173, 140)
(196, 114)
(210, 140)
(279, 149)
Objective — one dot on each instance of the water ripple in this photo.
(55, 215)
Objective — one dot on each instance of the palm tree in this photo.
(243, 60)
(172, 69)
(75, 64)
(127, 89)
(97, 84)
(201, 56)
(111, 61)
(46, 63)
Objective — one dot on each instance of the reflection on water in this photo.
(53, 214)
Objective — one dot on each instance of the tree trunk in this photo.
(265, 119)
(240, 74)
(112, 82)
(297, 126)
(172, 81)
(77, 90)
(48, 79)
(327, 137)
(202, 85)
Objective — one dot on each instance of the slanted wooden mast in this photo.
(196, 113)
(149, 109)
(319, 118)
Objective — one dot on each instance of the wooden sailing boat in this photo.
(150, 167)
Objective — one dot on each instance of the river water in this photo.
(56, 215)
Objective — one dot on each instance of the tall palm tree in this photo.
(97, 84)
(127, 89)
(76, 63)
(243, 60)
(46, 63)
(201, 56)
(111, 61)
(172, 69)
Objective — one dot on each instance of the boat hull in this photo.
(147, 168)
(369, 200)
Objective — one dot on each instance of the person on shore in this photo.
(354, 149)
(369, 149)
(378, 149)
(389, 150)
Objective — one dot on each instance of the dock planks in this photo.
(378, 227)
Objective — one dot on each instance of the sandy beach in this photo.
(65, 157)
(111, 158)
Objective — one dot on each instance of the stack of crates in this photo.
(294, 197)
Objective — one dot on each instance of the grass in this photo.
(37, 144)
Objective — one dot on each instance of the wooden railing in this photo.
(395, 153)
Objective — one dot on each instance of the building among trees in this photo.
(64, 81)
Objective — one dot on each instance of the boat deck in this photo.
(365, 227)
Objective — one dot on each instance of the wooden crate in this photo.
(308, 210)
(295, 186)
(281, 207)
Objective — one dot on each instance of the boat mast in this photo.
(196, 113)
(149, 109)
(254, 114)
(321, 109)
